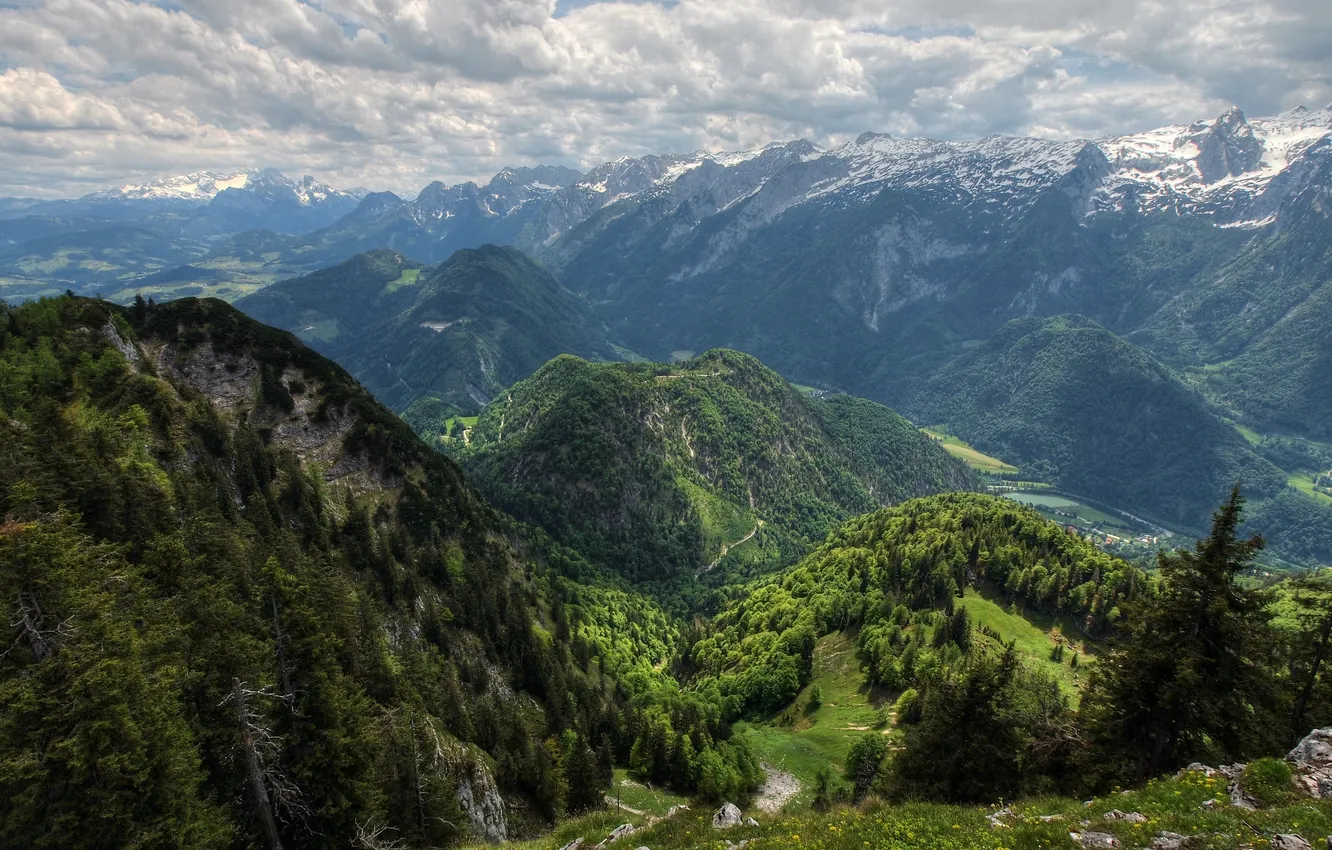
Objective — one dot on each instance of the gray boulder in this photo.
(1126, 817)
(726, 817)
(1290, 842)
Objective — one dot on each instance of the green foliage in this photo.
(989, 728)
(908, 707)
(863, 762)
(1191, 680)
(1065, 398)
(655, 470)
(466, 329)
(890, 574)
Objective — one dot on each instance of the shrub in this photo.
(908, 706)
(1269, 782)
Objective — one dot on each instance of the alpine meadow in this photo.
(774, 425)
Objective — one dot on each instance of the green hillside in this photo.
(894, 578)
(458, 332)
(658, 470)
(250, 607)
(340, 301)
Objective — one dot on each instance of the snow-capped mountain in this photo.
(1223, 167)
(204, 186)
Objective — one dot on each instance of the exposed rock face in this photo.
(1290, 842)
(481, 800)
(1312, 762)
(1126, 817)
(1228, 148)
(622, 831)
(1094, 840)
(726, 817)
(576, 844)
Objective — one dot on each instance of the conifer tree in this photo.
(1190, 681)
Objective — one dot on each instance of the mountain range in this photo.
(885, 268)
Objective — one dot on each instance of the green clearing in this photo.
(801, 741)
(724, 522)
(1304, 482)
(638, 798)
(628, 355)
(323, 330)
(959, 448)
(409, 278)
(1035, 638)
(807, 390)
(1253, 437)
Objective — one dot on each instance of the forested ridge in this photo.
(657, 470)
(249, 606)
(892, 577)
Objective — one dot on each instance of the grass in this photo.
(801, 741)
(639, 797)
(320, 331)
(1304, 482)
(958, 448)
(1169, 805)
(1253, 437)
(1035, 637)
(409, 277)
(1059, 508)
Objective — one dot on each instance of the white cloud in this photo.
(394, 93)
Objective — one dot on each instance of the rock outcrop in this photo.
(1311, 761)
(482, 802)
(727, 816)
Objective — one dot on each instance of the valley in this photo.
(866, 488)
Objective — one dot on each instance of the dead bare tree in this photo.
(33, 629)
(371, 837)
(274, 794)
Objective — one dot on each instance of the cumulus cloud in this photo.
(395, 93)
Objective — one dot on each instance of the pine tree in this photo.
(1190, 681)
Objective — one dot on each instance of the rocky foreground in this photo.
(1270, 804)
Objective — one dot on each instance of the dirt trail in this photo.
(777, 790)
(726, 547)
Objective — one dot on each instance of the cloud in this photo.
(395, 93)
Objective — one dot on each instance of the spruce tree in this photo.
(1190, 681)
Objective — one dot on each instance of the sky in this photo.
(392, 94)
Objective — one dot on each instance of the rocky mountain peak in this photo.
(1227, 148)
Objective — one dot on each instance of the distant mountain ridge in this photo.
(459, 332)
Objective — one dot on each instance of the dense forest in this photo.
(655, 470)
(248, 606)
(892, 577)
(284, 619)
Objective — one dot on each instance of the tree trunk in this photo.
(254, 770)
(1302, 701)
